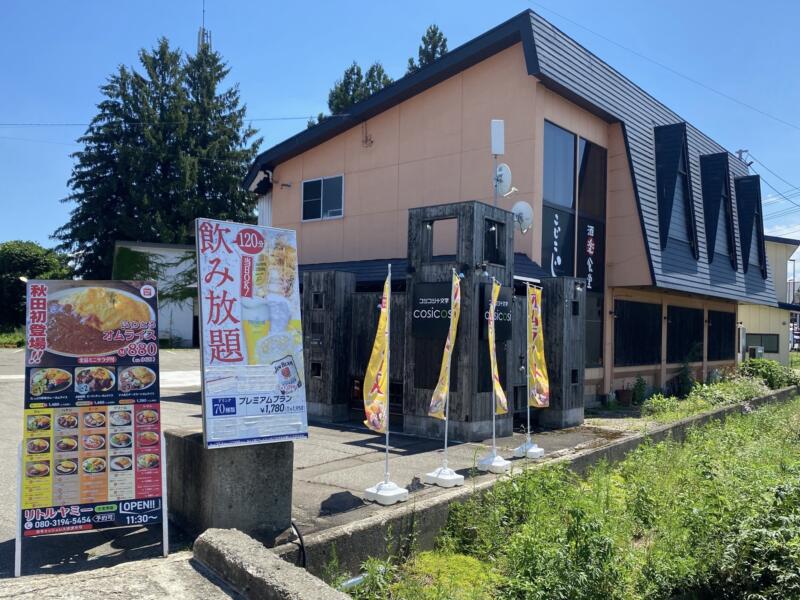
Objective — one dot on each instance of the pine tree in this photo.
(166, 146)
(353, 87)
(432, 48)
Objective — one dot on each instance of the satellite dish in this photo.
(523, 215)
(502, 179)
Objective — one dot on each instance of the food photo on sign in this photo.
(252, 345)
(91, 373)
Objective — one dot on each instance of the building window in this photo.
(494, 242)
(559, 166)
(684, 334)
(637, 333)
(323, 198)
(318, 300)
(675, 202)
(770, 341)
(721, 335)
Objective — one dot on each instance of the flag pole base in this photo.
(443, 477)
(386, 493)
(528, 450)
(494, 463)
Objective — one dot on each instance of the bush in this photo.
(25, 259)
(774, 374)
(735, 389)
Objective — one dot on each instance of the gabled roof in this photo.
(564, 66)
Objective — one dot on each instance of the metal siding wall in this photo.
(566, 63)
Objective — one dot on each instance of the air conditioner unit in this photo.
(755, 351)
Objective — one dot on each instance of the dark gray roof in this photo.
(570, 70)
(373, 271)
(781, 240)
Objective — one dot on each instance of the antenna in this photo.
(203, 35)
(523, 215)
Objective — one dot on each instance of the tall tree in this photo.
(432, 48)
(167, 145)
(354, 86)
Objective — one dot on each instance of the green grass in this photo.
(12, 338)
(715, 517)
(794, 360)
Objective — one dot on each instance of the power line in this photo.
(306, 117)
(791, 186)
(670, 69)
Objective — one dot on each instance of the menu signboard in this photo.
(252, 344)
(91, 447)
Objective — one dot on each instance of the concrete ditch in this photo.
(393, 530)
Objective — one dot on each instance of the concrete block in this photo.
(256, 571)
(560, 418)
(247, 487)
(324, 412)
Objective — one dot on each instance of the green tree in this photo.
(166, 146)
(432, 48)
(29, 260)
(354, 86)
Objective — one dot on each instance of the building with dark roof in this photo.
(663, 222)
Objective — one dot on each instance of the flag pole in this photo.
(388, 372)
(529, 449)
(386, 492)
(492, 462)
(444, 476)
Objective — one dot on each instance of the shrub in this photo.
(774, 374)
(639, 390)
(659, 404)
(443, 576)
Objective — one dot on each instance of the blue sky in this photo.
(285, 55)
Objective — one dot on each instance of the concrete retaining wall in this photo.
(419, 521)
(255, 571)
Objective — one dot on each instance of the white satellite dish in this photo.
(523, 215)
(502, 179)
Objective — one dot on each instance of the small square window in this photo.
(318, 300)
(317, 328)
(323, 198)
(316, 369)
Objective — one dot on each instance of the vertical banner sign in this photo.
(252, 343)
(91, 434)
(442, 391)
(538, 382)
(500, 402)
(376, 380)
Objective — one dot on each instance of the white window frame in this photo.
(322, 186)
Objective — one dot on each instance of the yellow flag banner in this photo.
(442, 391)
(538, 382)
(376, 381)
(500, 402)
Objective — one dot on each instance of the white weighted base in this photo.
(386, 493)
(529, 450)
(493, 463)
(443, 477)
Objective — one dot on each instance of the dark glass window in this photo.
(592, 180)
(721, 335)
(312, 199)
(494, 242)
(637, 333)
(594, 329)
(770, 341)
(559, 166)
(684, 334)
(675, 202)
(323, 198)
